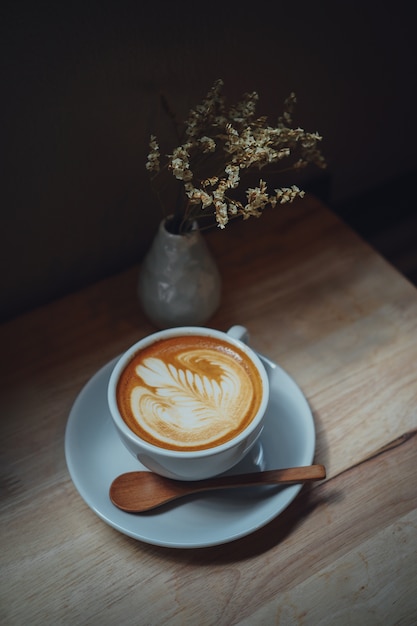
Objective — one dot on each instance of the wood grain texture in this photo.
(343, 323)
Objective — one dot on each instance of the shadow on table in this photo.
(278, 531)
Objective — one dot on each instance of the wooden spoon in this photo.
(136, 492)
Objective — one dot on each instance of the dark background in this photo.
(80, 91)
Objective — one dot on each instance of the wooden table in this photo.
(343, 323)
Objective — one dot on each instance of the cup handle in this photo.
(240, 333)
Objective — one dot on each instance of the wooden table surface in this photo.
(343, 323)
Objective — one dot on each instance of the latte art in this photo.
(189, 393)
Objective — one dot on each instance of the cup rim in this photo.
(174, 332)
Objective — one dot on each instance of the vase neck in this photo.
(174, 226)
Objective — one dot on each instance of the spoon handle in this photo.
(288, 475)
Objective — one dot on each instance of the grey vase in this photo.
(179, 282)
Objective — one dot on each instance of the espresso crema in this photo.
(189, 392)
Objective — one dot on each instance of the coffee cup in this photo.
(189, 402)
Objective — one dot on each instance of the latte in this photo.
(191, 392)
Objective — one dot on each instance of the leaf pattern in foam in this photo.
(208, 398)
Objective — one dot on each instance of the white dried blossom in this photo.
(180, 163)
(222, 144)
(201, 116)
(218, 193)
(207, 144)
(197, 196)
(152, 164)
(233, 176)
(210, 182)
(222, 216)
(258, 196)
(288, 194)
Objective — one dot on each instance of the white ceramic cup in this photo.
(194, 464)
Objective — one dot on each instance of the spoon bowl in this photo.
(137, 492)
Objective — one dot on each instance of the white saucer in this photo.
(95, 456)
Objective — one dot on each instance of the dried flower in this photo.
(223, 145)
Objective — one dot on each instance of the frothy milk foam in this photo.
(189, 393)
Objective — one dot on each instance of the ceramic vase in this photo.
(179, 282)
